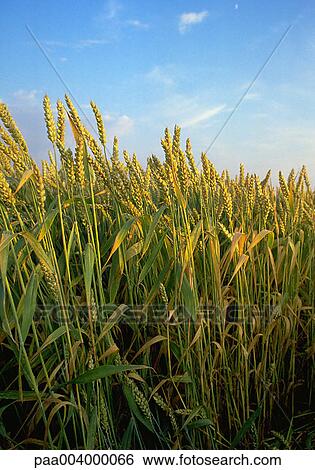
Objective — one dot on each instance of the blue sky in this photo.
(151, 64)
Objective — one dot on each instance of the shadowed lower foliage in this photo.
(165, 306)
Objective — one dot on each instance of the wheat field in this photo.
(151, 306)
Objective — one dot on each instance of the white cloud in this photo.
(121, 126)
(138, 24)
(90, 42)
(260, 115)
(186, 20)
(178, 108)
(86, 106)
(115, 124)
(26, 108)
(53, 43)
(111, 9)
(252, 96)
(25, 98)
(159, 75)
(79, 44)
(202, 116)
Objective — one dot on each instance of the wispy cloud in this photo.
(54, 43)
(159, 74)
(121, 126)
(82, 43)
(117, 124)
(252, 96)
(137, 24)
(23, 97)
(186, 20)
(79, 44)
(26, 108)
(111, 9)
(202, 116)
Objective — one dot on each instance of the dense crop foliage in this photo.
(165, 306)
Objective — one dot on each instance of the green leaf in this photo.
(114, 278)
(49, 219)
(3, 432)
(134, 409)
(104, 371)
(27, 305)
(16, 395)
(184, 379)
(52, 338)
(4, 254)
(121, 235)
(134, 250)
(200, 423)
(128, 434)
(192, 243)
(38, 249)
(188, 298)
(150, 233)
(92, 430)
(161, 278)
(5, 241)
(193, 414)
(89, 258)
(245, 428)
(150, 261)
(271, 238)
(71, 242)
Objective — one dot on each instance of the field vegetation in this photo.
(159, 306)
